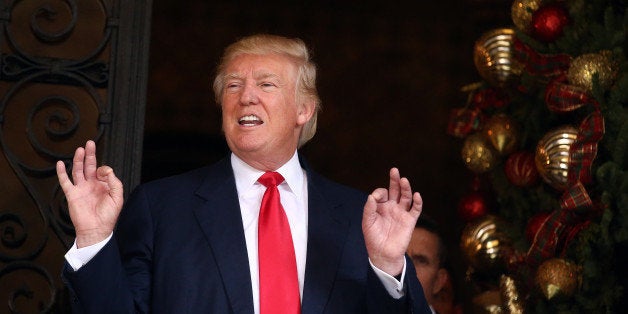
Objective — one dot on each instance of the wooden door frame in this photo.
(123, 149)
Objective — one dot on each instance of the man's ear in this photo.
(305, 110)
(442, 276)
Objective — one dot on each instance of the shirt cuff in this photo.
(392, 285)
(78, 257)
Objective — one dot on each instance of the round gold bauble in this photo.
(477, 154)
(552, 156)
(521, 12)
(584, 67)
(502, 133)
(485, 245)
(493, 57)
(512, 301)
(487, 302)
(557, 277)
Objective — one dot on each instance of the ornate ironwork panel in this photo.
(70, 70)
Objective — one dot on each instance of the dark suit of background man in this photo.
(188, 243)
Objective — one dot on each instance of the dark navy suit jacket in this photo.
(179, 248)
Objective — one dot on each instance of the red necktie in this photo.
(279, 285)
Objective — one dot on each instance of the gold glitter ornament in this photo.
(477, 153)
(485, 244)
(512, 302)
(552, 156)
(502, 133)
(557, 277)
(494, 60)
(584, 67)
(521, 12)
(487, 302)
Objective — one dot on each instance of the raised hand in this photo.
(389, 218)
(95, 196)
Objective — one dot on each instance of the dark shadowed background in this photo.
(389, 73)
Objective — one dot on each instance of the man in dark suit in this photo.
(195, 243)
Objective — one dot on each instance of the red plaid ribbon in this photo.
(584, 149)
(576, 199)
(561, 97)
(540, 64)
(463, 121)
(564, 224)
(561, 226)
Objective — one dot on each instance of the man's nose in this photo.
(249, 95)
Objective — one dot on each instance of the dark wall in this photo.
(389, 73)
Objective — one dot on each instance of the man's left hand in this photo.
(388, 221)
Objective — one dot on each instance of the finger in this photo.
(393, 186)
(116, 188)
(64, 180)
(405, 199)
(77, 165)
(417, 205)
(90, 160)
(380, 195)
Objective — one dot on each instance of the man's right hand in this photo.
(94, 196)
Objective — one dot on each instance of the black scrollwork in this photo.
(60, 218)
(22, 60)
(16, 67)
(96, 73)
(61, 123)
(48, 13)
(14, 237)
(12, 231)
(14, 276)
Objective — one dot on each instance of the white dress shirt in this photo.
(294, 199)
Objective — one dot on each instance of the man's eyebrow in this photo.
(266, 75)
(232, 76)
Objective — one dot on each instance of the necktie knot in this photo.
(270, 179)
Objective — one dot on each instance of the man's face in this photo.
(260, 115)
(423, 250)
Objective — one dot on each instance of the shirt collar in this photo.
(246, 176)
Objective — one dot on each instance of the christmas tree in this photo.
(545, 135)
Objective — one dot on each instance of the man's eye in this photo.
(267, 84)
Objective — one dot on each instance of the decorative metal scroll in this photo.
(55, 59)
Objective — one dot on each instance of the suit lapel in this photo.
(327, 231)
(221, 221)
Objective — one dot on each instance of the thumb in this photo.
(371, 205)
(370, 211)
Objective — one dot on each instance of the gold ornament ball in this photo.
(487, 302)
(485, 245)
(552, 156)
(521, 12)
(502, 133)
(493, 57)
(557, 277)
(511, 299)
(477, 153)
(584, 67)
